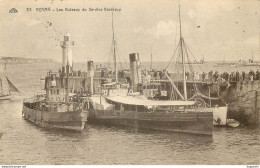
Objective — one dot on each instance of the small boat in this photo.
(6, 86)
(233, 123)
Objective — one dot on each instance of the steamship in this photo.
(117, 105)
(61, 106)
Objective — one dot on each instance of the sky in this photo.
(214, 30)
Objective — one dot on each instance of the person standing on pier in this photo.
(210, 75)
(252, 75)
(203, 76)
(187, 75)
(215, 76)
(257, 76)
(243, 75)
(237, 76)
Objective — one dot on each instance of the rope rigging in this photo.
(116, 58)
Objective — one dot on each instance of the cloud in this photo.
(161, 29)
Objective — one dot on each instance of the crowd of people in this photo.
(225, 76)
(211, 76)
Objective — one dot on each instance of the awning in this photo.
(109, 84)
(130, 100)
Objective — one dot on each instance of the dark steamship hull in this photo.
(186, 122)
(73, 121)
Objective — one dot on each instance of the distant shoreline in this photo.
(22, 60)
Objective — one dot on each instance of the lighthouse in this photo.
(66, 52)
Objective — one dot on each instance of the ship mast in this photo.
(183, 58)
(114, 48)
(67, 84)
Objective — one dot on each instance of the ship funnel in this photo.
(136, 72)
(66, 52)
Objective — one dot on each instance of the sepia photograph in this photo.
(129, 82)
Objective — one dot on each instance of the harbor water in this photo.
(23, 143)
